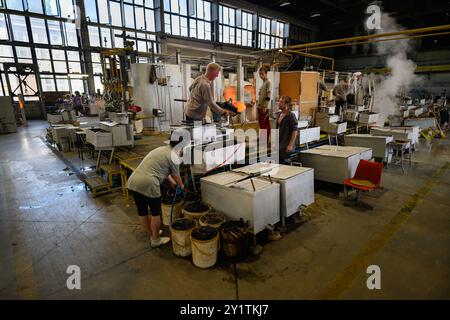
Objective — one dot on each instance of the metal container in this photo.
(379, 144)
(99, 138)
(333, 163)
(255, 200)
(297, 184)
(366, 117)
(422, 123)
(397, 133)
(309, 135)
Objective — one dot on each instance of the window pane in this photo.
(73, 56)
(140, 22)
(150, 19)
(116, 14)
(19, 28)
(62, 84)
(51, 8)
(45, 66)
(103, 11)
(184, 29)
(42, 53)
(48, 83)
(54, 29)
(35, 6)
(175, 25)
(95, 57)
(60, 66)
(39, 30)
(129, 16)
(74, 67)
(58, 55)
(183, 7)
(71, 34)
(67, 9)
(3, 28)
(23, 52)
(174, 6)
(98, 84)
(77, 85)
(91, 10)
(14, 4)
(94, 38)
(167, 25)
(207, 11)
(97, 68)
(200, 9)
(106, 38)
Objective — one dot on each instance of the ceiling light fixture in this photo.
(315, 15)
(284, 3)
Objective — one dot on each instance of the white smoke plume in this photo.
(401, 77)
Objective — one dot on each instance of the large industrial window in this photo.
(39, 30)
(3, 28)
(19, 28)
(200, 25)
(227, 25)
(244, 33)
(235, 26)
(90, 8)
(54, 29)
(176, 17)
(271, 33)
(178, 22)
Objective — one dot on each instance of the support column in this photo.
(240, 85)
(85, 45)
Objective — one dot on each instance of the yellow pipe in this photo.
(358, 38)
(436, 68)
(378, 40)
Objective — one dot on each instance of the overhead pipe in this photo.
(358, 38)
(376, 41)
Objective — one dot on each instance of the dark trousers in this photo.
(339, 105)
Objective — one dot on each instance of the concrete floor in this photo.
(48, 222)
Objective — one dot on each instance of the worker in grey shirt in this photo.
(145, 183)
(287, 124)
(202, 96)
(340, 95)
(322, 87)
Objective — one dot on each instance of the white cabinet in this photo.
(297, 184)
(309, 135)
(255, 200)
(379, 144)
(334, 163)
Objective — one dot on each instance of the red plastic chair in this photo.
(367, 177)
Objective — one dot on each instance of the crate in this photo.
(366, 117)
(99, 138)
(309, 135)
(54, 118)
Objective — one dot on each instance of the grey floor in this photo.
(48, 222)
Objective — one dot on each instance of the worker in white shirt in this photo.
(145, 183)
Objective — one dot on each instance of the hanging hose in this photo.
(177, 192)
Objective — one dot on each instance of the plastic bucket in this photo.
(212, 219)
(195, 210)
(205, 246)
(180, 232)
(166, 210)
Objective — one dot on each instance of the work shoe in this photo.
(274, 236)
(159, 242)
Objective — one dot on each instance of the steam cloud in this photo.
(401, 77)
